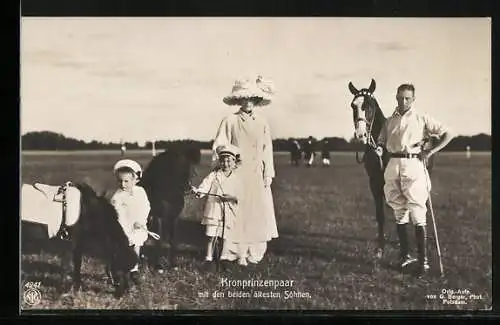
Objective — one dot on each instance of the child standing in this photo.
(222, 189)
(132, 205)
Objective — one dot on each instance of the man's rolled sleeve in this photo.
(433, 127)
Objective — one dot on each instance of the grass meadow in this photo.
(327, 234)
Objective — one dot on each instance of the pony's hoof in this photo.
(136, 278)
(157, 269)
(208, 266)
(119, 292)
(77, 288)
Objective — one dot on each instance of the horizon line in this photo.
(191, 139)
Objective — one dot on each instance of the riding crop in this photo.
(441, 270)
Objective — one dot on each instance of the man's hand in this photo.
(425, 155)
(267, 181)
(379, 151)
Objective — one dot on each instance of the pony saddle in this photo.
(58, 207)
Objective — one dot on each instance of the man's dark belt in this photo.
(404, 155)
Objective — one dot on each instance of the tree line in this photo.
(47, 140)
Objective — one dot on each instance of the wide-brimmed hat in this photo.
(246, 88)
(228, 149)
(134, 165)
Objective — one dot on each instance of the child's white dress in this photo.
(131, 208)
(216, 183)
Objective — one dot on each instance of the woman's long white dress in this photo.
(256, 217)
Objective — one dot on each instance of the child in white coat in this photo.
(131, 204)
(222, 188)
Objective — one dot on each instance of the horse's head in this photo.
(100, 218)
(364, 109)
(190, 157)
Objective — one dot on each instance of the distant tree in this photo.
(47, 140)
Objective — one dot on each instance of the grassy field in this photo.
(327, 230)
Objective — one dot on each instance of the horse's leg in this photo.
(377, 190)
(380, 215)
(65, 261)
(122, 285)
(172, 225)
(155, 249)
(77, 265)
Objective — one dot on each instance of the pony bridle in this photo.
(60, 197)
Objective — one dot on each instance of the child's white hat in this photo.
(130, 164)
(228, 149)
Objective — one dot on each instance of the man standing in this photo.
(310, 151)
(325, 153)
(407, 184)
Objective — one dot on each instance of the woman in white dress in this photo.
(252, 135)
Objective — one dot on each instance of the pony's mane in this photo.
(108, 218)
(166, 163)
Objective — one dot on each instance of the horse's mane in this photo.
(379, 117)
(100, 217)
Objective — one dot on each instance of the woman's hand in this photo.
(268, 181)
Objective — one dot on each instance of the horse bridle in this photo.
(63, 232)
(371, 143)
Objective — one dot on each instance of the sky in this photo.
(144, 79)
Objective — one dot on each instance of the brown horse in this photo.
(368, 121)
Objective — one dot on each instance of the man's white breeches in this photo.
(406, 189)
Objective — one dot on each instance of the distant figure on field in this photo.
(309, 151)
(295, 152)
(325, 153)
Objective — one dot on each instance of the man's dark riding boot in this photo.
(421, 238)
(406, 259)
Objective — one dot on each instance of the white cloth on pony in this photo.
(42, 204)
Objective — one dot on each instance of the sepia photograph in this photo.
(253, 163)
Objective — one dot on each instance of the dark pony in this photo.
(97, 225)
(368, 121)
(166, 181)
